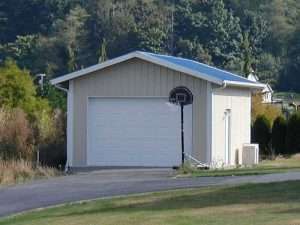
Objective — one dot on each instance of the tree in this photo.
(293, 134)
(262, 134)
(257, 28)
(290, 79)
(26, 17)
(282, 16)
(23, 50)
(279, 135)
(271, 112)
(193, 50)
(268, 68)
(56, 98)
(102, 52)
(17, 91)
(189, 23)
(247, 58)
(16, 87)
(152, 29)
(223, 35)
(208, 32)
(114, 22)
(73, 35)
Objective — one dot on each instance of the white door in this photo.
(134, 132)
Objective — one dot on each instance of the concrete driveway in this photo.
(111, 183)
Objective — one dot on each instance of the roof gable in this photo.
(187, 66)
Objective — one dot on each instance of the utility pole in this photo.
(41, 77)
(172, 27)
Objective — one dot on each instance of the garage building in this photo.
(119, 114)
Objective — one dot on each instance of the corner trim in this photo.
(70, 124)
(209, 128)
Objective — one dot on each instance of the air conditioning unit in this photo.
(250, 154)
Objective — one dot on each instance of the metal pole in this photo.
(182, 136)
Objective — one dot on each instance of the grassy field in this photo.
(14, 172)
(252, 204)
(280, 165)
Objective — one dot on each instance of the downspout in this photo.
(61, 88)
(67, 167)
(223, 86)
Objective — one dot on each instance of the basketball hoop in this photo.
(181, 96)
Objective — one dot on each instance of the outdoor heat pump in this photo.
(250, 154)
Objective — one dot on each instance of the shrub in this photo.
(262, 134)
(53, 151)
(19, 138)
(279, 135)
(271, 112)
(16, 137)
(293, 134)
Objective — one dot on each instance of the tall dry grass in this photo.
(16, 135)
(19, 171)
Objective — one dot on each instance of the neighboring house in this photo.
(267, 92)
(119, 115)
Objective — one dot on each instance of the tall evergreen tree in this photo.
(279, 135)
(247, 57)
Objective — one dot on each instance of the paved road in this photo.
(110, 183)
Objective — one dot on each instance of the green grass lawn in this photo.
(252, 204)
(280, 165)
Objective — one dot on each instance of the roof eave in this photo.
(92, 69)
(259, 86)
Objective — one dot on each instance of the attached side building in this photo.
(119, 114)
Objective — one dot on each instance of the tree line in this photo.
(59, 36)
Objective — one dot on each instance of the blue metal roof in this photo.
(201, 68)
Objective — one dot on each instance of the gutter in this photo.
(242, 84)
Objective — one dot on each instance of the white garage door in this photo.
(135, 132)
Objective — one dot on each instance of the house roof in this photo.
(267, 89)
(190, 67)
(253, 77)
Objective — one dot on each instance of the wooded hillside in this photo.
(60, 36)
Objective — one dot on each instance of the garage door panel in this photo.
(133, 132)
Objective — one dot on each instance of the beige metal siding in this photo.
(137, 78)
(239, 102)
